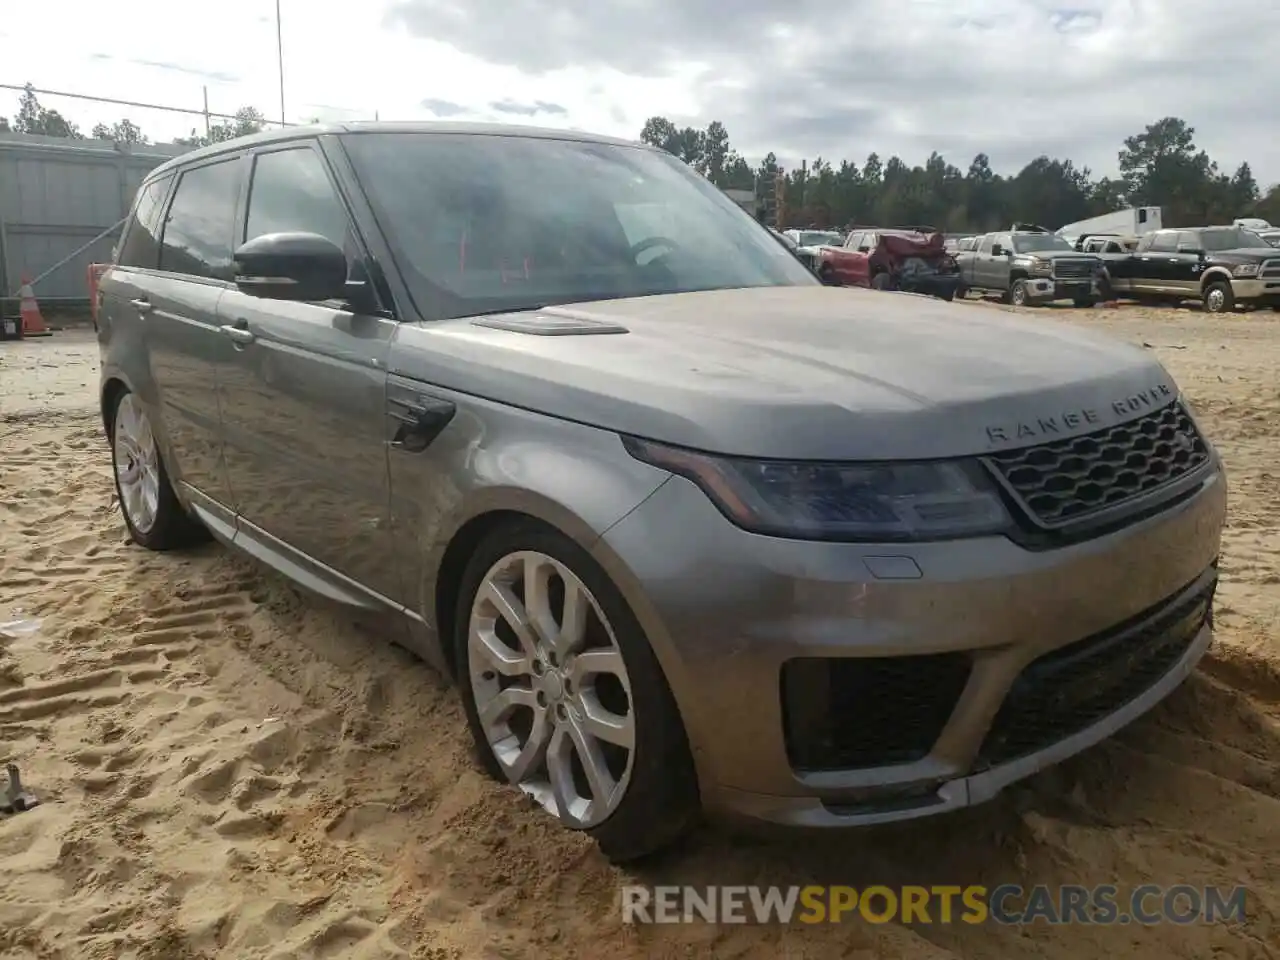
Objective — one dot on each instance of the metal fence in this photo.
(56, 195)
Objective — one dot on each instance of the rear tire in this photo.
(154, 517)
(962, 293)
(536, 691)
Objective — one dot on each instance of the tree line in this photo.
(1161, 166)
(33, 117)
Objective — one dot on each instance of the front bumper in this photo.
(1049, 289)
(729, 613)
(1263, 292)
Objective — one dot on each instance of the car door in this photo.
(1153, 270)
(999, 266)
(1186, 264)
(304, 400)
(854, 264)
(178, 308)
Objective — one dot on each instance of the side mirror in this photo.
(997, 250)
(291, 266)
(1188, 248)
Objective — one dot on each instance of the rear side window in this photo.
(1164, 242)
(140, 246)
(291, 192)
(198, 230)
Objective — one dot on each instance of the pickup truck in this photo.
(1029, 266)
(1222, 267)
(910, 259)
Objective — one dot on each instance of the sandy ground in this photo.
(230, 769)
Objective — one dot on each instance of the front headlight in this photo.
(1042, 268)
(1245, 270)
(840, 501)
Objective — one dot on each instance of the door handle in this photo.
(142, 304)
(238, 333)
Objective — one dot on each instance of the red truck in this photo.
(912, 259)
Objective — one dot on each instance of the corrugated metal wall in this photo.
(56, 195)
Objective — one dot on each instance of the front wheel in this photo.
(1018, 293)
(154, 517)
(565, 698)
(1219, 298)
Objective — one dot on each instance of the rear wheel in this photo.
(152, 513)
(1218, 297)
(564, 697)
(962, 292)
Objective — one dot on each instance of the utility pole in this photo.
(280, 60)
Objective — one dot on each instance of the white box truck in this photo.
(1133, 222)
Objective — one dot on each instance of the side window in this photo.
(140, 246)
(1142, 215)
(197, 232)
(1188, 239)
(1165, 241)
(868, 242)
(853, 241)
(290, 191)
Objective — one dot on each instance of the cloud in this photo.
(1010, 78)
(444, 108)
(515, 108)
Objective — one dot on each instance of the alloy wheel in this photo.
(550, 688)
(137, 464)
(1215, 300)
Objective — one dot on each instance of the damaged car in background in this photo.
(688, 529)
(911, 259)
(809, 244)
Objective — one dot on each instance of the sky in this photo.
(804, 78)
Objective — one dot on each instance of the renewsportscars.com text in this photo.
(1006, 904)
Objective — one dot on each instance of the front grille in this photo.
(1072, 269)
(1270, 270)
(855, 712)
(1070, 479)
(1074, 687)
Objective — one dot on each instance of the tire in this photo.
(659, 800)
(882, 282)
(948, 296)
(1084, 303)
(1018, 293)
(1218, 298)
(962, 293)
(154, 517)
(826, 275)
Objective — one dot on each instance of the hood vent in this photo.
(550, 324)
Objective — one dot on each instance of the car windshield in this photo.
(483, 223)
(818, 238)
(1036, 242)
(1232, 238)
(1271, 238)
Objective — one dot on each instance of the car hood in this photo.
(1056, 254)
(806, 372)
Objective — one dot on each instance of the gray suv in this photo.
(690, 530)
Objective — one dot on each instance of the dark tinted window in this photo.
(197, 232)
(1166, 241)
(485, 223)
(291, 191)
(140, 246)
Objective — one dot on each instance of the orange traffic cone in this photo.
(32, 322)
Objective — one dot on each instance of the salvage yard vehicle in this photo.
(1029, 266)
(911, 259)
(688, 529)
(809, 243)
(1222, 267)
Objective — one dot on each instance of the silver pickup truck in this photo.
(1028, 266)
